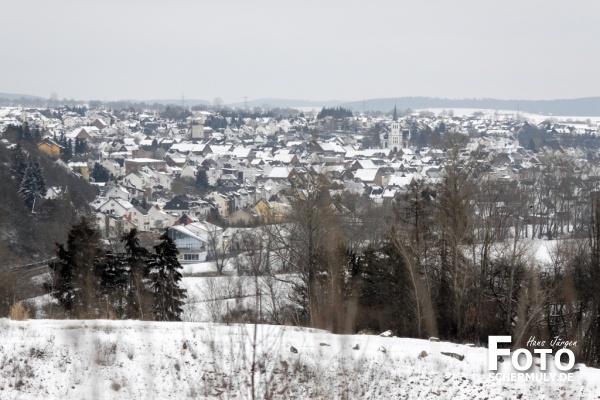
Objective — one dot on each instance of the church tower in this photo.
(395, 137)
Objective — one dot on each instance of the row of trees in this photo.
(335, 112)
(89, 281)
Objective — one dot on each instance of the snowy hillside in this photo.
(147, 360)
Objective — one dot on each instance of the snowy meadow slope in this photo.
(149, 360)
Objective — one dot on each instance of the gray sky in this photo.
(313, 50)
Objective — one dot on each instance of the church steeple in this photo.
(395, 117)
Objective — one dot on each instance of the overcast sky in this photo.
(312, 50)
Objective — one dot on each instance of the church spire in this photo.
(395, 114)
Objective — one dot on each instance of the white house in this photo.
(196, 241)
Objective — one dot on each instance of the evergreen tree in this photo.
(100, 173)
(67, 152)
(164, 275)
(40, 182)
(74, 283)
(26, 133)
(201, 179)
(111, 272)
(36, 135)
(18, 163)
(28, 189)
(33, 185)
(63, 273)
(80, 146)
(137, 259)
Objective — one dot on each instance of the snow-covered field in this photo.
(211, 298)
(49, 359)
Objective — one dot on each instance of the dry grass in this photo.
(106, 352)
(18, 312)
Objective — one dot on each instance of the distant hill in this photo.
(287, 103)
(177, 102)
(589, 106)
(568, 107)
(17, 96)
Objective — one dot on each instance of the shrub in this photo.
(18, 312)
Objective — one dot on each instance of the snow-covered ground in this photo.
(211, 298)
(49, 359)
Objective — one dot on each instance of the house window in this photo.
(191, 257)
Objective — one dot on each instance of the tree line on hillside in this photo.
(89, 281)
(28, 230)
(335, 112)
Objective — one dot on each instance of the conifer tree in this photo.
(111, 272)
(74, 282)
(137, 259)
(164, 272)
(40, 182)
(26, 133)
(100, 173)
(63, 272)
(18, 163)
(33, 185)
(28, 189)
(67, 151)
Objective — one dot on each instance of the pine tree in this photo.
(40, 183)
(63, 273)
(202, 179)
(80, 146)
(137, 259)
(28, 189)
(100, 173)
(18, 163)
(67, 152)
(164, 275)
(112, 272)
(74, 271)
(33, 185)
(36, 135)
(26, 133)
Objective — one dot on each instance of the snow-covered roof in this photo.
(366, 175)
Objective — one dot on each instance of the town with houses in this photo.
(241, 196)
(251, 164)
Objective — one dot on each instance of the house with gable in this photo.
(141, 182)
(49, 147)
(118, 191)
(369, 176)
(196, 241)
(178, 205)
(158, 219)
(115, 206)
